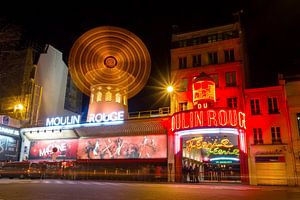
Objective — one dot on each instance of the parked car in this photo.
(20, 170)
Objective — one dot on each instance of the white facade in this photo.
(52, 75)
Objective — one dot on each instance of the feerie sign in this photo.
(208, 118)
(92, 118)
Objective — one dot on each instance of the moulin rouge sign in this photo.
(208, 118)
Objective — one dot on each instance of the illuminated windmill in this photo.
(111, 65)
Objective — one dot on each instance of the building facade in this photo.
(217, 130)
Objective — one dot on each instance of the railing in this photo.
(164, 111)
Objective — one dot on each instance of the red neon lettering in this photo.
(242, 120)
(222, 115)
(232, 117)
(198, 118)
(177, 122)
(211, 118)
(184, 125)
(191, 119)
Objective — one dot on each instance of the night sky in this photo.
(272, 30)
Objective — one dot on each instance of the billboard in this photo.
(43, 150)
(9, 148)
(123, 147)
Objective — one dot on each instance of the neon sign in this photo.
(213, 148)
(9, 131)
(92, 118)
(67, 120)
(199, 143)
(103, 117)
(208, 118)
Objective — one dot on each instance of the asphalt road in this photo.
(16, 189)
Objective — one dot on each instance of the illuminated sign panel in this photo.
(9, 148)
(124, 147)
(92, 118)
(208, 118)
(43, 150)
(67, 120)
(204, 90)
(103, 117)
(9, 131)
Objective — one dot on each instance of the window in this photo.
(230, 78)
(216, 79)
(183, 85)
(229, 55)
(257, 135)
(254, 105)
(232, 102)
(212, 38)
(182, 63)
(118, 98)
(298, 122)
(183, 106)
(196, 60)
(273, 105)
(212, 58)
(108, 96)
(99, 96)
(276, 137)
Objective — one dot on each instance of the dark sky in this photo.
(272, 29)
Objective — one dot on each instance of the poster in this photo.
(123, 147)
(9, 148)
(43, 150)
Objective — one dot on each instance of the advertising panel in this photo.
(123, 147)
(53, 149)
(9, 148)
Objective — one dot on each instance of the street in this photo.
(26, 189)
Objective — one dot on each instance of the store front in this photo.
(9, 144)
(210, 145)
(131, 150)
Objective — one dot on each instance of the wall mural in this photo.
(125, 147)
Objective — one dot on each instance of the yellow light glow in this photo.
(170, 89)
(19, 107)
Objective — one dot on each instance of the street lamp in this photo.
(170, 89)
(18, 107)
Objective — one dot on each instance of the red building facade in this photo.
(262, 144)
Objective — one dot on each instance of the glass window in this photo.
(276, 136)
(197, 60)
(255, 107)
(232, 102)
(183, 106)
(182, 62)
(108, 96)
(229, 55)
(118, 98)
(273, 105)
(99, 96)
(257, 135)
(212, 58)
(230, 78)
(183, 85)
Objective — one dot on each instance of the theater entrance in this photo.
(210, 158)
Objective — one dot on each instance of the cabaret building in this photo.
(217, 128)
